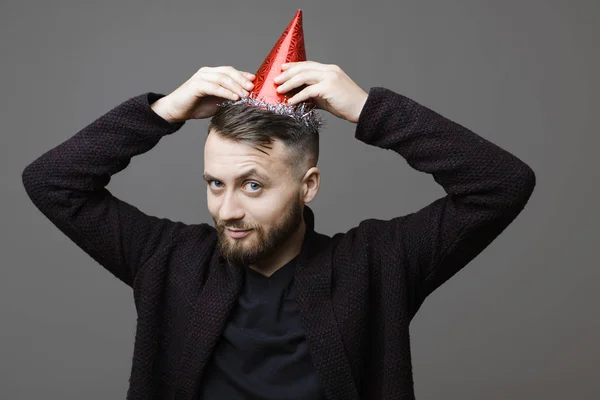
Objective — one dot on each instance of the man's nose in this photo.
(230, 209)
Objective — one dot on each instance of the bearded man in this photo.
(261, 306)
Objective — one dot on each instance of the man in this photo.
(277, 311)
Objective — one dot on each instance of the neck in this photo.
(283, 256)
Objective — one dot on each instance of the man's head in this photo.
(283, 153)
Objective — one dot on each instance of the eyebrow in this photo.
(250, 173)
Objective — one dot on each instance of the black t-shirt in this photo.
(263, 353)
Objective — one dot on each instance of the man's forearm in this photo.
(85, 161)
(67, 184)
(486, 186)
(462, 162)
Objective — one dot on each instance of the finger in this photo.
(237, 76)
(226, 81)
(290, 64)
(308, 77)
(241, 78)
(297, 67)
(214, 89)
(305, 94)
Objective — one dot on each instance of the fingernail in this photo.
(249, 84)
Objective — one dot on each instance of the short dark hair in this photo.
(258, 127)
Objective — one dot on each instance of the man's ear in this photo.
(310, 184)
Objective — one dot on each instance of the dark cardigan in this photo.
(357, 290)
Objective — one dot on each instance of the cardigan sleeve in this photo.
(486, 186)
(68, 185)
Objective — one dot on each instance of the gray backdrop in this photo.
(519, 322)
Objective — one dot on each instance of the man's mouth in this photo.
(237, 233)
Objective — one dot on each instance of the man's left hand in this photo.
(327, 85)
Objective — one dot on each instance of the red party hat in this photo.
(289, 48)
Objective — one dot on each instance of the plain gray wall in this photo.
(519, 322)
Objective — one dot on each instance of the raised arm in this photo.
(68, 182)
(68, 185)
(486, 186)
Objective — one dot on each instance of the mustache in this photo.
(240, 228)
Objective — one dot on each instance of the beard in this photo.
(258, 245)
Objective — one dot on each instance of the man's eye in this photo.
(256, 187)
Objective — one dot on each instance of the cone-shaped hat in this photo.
(289, 48)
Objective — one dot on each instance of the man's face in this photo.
(267, 203)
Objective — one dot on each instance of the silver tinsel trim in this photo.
(303, 112)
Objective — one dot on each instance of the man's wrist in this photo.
(160, 108)
(360, 105)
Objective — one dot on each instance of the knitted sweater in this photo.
(357, 290)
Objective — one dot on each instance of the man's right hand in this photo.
(198, 97)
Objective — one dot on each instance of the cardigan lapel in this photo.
(313, 280)
(209, 316)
